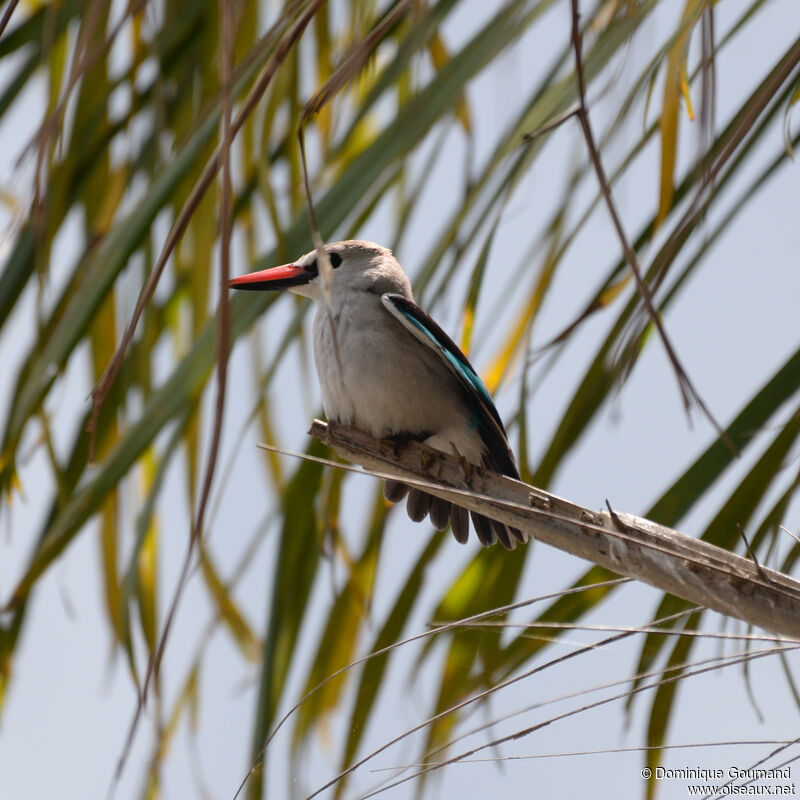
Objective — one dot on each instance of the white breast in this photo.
(383, 381)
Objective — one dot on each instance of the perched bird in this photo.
(388, 369)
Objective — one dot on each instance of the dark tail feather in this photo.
(519, 535)
(418, 504)
(459, 523)
(394, 491)
(483, 527)
(440, 513)
(503, 533)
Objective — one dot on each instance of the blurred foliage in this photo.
(132, 96)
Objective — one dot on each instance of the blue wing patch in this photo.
(427, 331)
(454, 357)
(485, 419)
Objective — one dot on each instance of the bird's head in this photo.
(357, 267)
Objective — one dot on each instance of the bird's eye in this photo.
(336, 259)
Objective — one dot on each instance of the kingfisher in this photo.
(386, 368)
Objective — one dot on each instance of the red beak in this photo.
(273, 279)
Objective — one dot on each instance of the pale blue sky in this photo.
(71, 700)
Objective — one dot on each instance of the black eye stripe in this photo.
(335, 258)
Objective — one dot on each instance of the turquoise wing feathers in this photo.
(488, 422)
